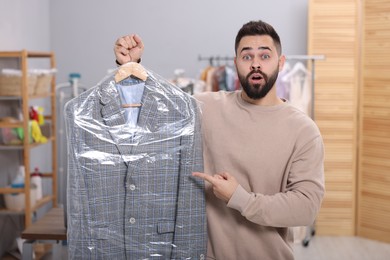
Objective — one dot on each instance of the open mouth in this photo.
(256, 77)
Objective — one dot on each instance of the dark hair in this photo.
(258, 28)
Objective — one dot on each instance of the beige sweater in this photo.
(276, 154)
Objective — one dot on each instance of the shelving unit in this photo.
(26, 147)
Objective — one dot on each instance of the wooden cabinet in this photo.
(353, 113)
(373, 219)
(25, 99)
(333, 31)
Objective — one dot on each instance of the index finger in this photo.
(205, 177)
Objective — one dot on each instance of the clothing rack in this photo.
(211, 59)
(312, 58)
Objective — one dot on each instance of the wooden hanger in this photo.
(131, 69)
(131, 105)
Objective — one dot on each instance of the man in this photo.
(263, 157)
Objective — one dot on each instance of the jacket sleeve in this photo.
(190, 237)
(78, 231)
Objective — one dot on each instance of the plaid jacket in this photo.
(130, 194)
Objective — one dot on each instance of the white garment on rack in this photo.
(300, 87)
(300, 92)
(283, 87)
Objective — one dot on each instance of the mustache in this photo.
(259, 72)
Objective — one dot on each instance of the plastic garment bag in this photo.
(130, 192)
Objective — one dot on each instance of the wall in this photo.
(24, 25)
(175, 32)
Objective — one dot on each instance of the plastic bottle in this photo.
(74, 81)
(15, 201)
(41, 117)
(36, 179)
(18, 182)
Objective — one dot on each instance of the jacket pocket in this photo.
(165, 226)
(101, 233)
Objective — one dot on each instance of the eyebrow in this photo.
(260, 48)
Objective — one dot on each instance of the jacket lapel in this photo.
(127, 140)
(114, 118)
(148, 113)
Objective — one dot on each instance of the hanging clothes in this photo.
(222, 77)
(300, 87)
(283, 87)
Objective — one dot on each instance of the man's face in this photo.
(257, 64)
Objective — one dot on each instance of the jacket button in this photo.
(132, 220)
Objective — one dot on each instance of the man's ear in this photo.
(282, 60)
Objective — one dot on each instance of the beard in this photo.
(258, 91)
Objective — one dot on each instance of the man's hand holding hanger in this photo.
(128, 48)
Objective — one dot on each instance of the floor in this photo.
(342, 248)
(319, 248)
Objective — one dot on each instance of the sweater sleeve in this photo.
(298, 203)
